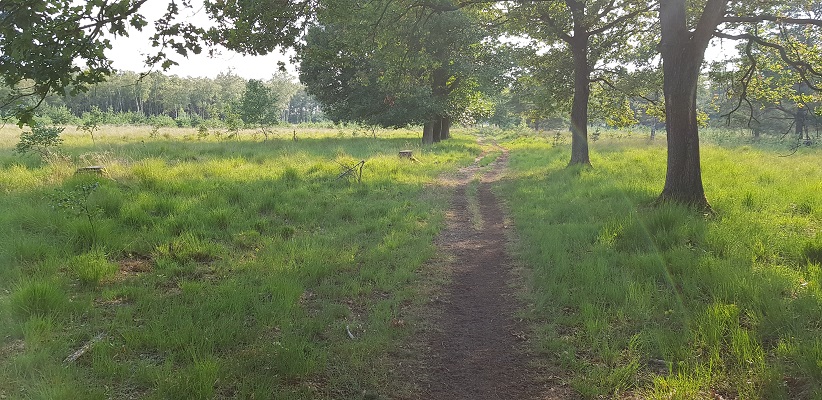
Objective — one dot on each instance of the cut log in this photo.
(406, 154)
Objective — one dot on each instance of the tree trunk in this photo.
(446, 128)
(579, 106)
(437, 122)
(800, 123)
(428, 133)
(683, 51)
(683, 179)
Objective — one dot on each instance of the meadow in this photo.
(207, 267)
(629, 299)
(203, 267)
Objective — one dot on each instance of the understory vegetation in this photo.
(638, 300)
(202, 268)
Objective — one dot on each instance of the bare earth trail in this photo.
(476, 348)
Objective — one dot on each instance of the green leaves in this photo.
(40, 139)
(396, 63)
(58, 46)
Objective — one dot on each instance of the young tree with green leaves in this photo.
(259, 106)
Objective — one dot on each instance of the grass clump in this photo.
(38, 297)
(92, 267)
(659, 301)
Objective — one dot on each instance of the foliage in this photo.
(55, 47)
(91, 122)
(259, 105)
(771, 97)
(77, 201)
(397, 65)
(39, 139)
(58, 47)
(574, 43)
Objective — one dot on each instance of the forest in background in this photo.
(161, 100)
(157, 99)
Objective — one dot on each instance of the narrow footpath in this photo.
(477, 348)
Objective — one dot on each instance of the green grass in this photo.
(214, 268)
(661, 302)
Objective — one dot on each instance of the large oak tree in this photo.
(687, 29)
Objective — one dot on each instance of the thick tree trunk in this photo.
(428, 133)
(437, 122)
(682, 53)
(579, 106)
(446, 128)
(683, 179)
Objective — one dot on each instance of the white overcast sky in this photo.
(128, 53)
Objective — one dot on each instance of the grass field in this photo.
(638, 301)
(203, 267)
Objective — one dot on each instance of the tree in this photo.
(396, 64)
(592, 34)
(259, 106)
(687, 30)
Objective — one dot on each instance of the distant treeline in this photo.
(166, 100)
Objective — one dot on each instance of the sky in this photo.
(128, 53)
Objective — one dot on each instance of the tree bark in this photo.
(437, 122)
(428, 133)
(446, 128)
(579, 106)
(682, 54)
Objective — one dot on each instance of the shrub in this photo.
(59, 115)
(162, 120)
(41, 140)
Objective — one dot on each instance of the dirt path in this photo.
(476, 348)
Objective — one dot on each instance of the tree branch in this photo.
(802, 67)
(771, 18)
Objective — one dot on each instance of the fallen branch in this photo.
(82, 350)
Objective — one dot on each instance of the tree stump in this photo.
(92, 169)
(406, 154)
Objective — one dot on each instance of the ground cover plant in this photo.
(200, 267)
(637, 300)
